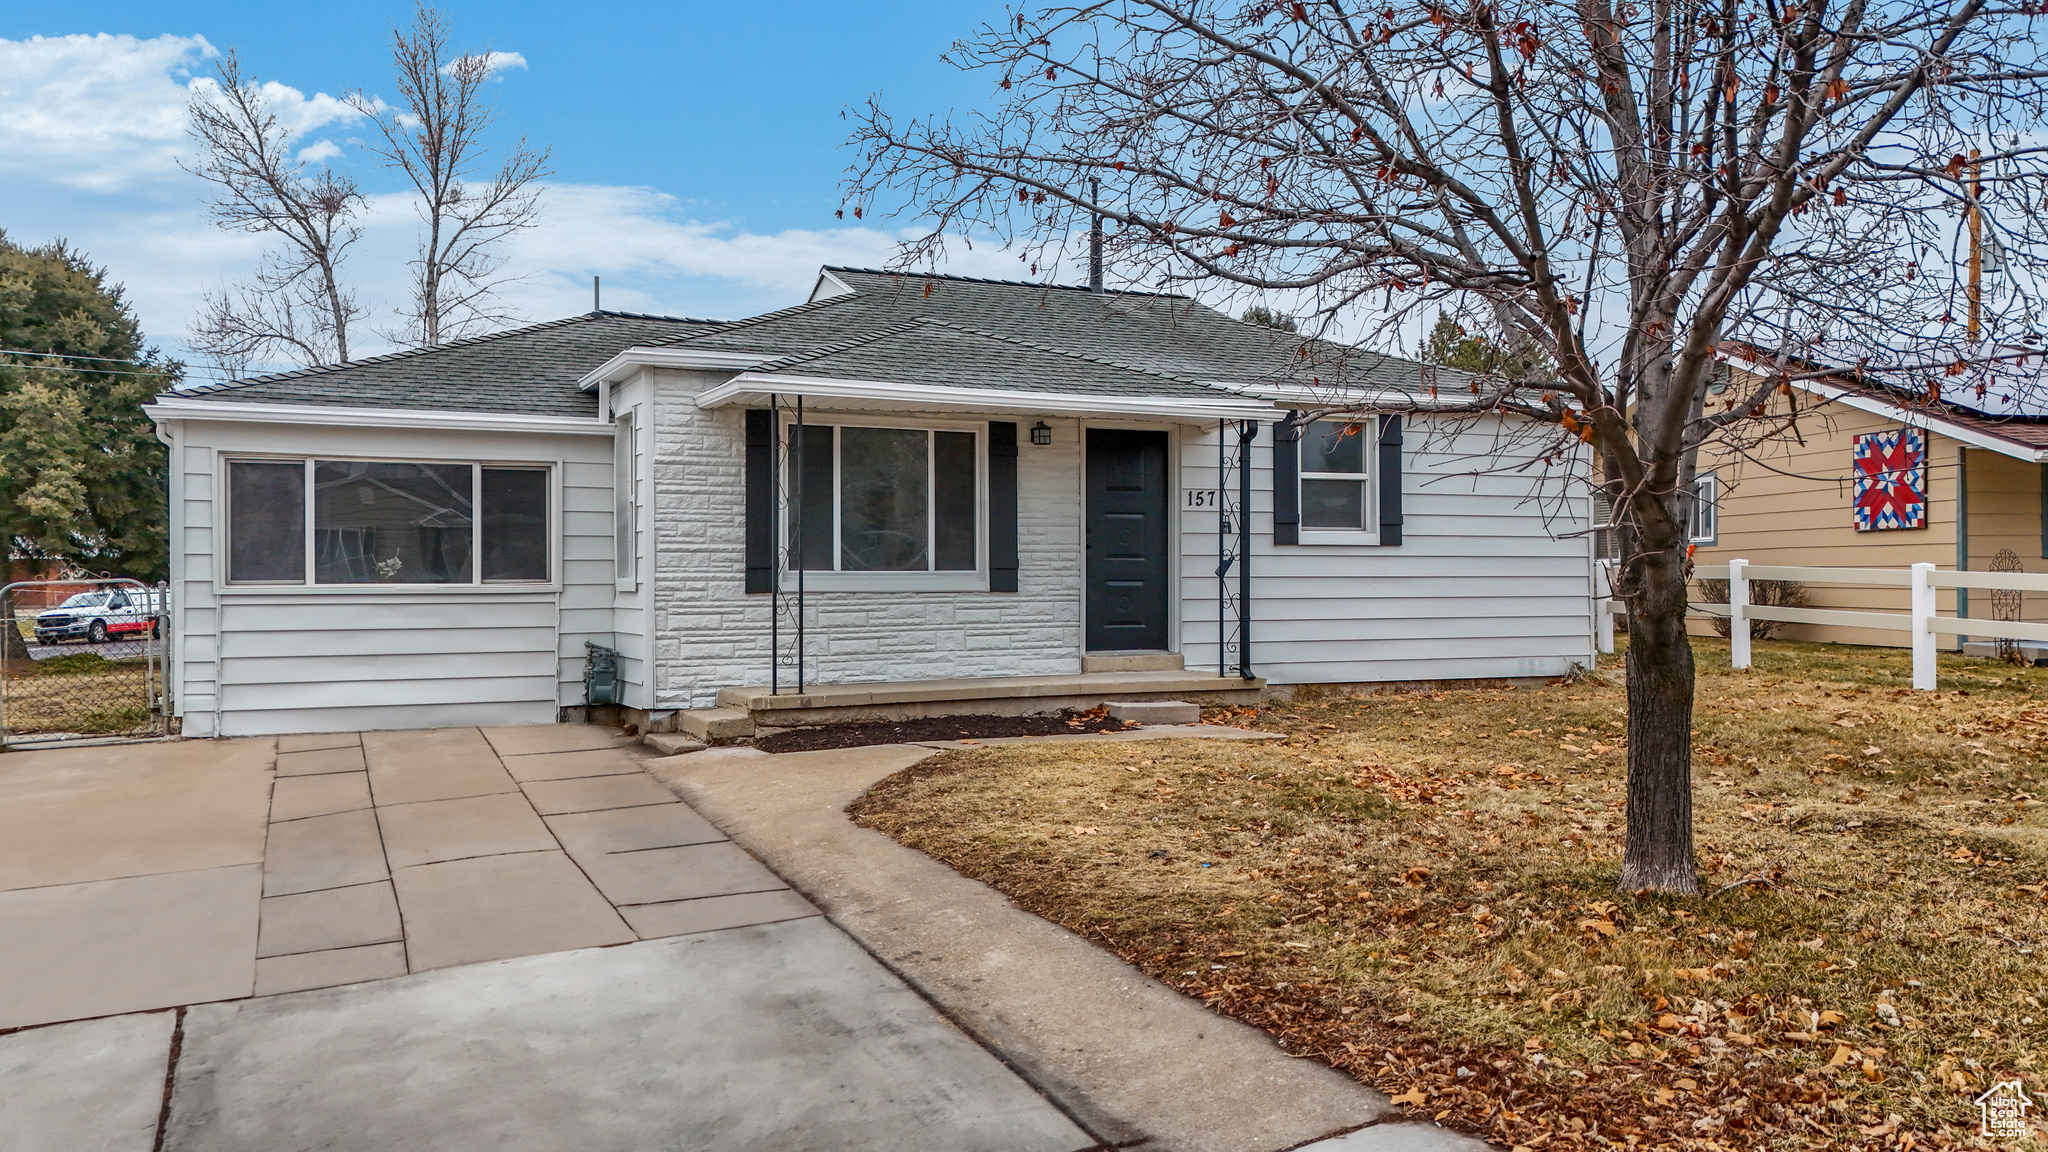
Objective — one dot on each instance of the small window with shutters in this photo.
(1338, 481)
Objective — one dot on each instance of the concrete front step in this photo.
(995, 695)
(716, 725)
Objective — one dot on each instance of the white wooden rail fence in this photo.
(1921, 622)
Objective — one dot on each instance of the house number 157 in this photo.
(1198, 500)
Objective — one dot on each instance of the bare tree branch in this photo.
(435, 136)
(1622, 185)
(296, 306)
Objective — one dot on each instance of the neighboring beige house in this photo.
(1979, 480)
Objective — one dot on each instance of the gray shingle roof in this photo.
(933, 352)
(1172, 334)
(531, 370)
(901, 327)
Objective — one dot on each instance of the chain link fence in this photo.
(82, 659)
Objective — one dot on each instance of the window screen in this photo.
(513, 523)
(883, 489)
(389, 523)
(267, 521)
(953, 501)
(1333, 475)
(810, 468)
(881, 499)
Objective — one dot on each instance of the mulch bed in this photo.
(938, 728)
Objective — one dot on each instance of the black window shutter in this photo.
(1390, 479)
(1287, 481)
(760, 487)
(1002, 506)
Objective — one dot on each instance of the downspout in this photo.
(1247, 431)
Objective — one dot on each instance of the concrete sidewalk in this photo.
(1138, 1064)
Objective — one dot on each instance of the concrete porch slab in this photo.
(784, 1037)
(127, 945)
(93, 1086)
(994, 695)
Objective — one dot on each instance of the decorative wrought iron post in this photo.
(789, 546)
(1233, 548)
(2005, 602)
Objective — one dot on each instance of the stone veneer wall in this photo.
(708, 634)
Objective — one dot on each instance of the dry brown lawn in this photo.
(78, 692)
(1419, 889)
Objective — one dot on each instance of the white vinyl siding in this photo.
(265, 659)
(1486, 582)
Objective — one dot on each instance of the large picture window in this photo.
(870, 499)
(386, 522)
(1336, 476)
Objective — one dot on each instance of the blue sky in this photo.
(696, 145)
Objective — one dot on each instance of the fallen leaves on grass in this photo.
(1418, 889)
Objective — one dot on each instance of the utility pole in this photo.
(1976, 217)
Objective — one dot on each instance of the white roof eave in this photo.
(756, 387)
(622, 365)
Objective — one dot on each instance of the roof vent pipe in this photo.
(1095, 236)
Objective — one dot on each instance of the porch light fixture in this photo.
(1041, 433)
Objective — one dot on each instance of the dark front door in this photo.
(1127, 541)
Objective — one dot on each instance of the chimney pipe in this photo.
(596, 295)
(1095, 237)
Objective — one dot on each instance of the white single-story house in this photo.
(905, 479)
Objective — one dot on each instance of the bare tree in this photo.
(1618, 185)
(296, 306)
(434, 134)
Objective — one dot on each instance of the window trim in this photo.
(1710, 506)
(223, 543)
(834, 579)
(625, 502)
(1370, 430)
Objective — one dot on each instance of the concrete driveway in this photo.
(459, 938)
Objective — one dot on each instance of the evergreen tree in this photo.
(81, 469)
(1451, 346)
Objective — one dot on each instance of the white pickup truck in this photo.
(102, 614)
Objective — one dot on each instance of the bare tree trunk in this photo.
(1659, 850)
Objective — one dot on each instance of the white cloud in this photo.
(107, 113)
(95, 112)
(92, 127)
(494, 63)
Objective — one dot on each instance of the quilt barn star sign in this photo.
(1891, 480)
